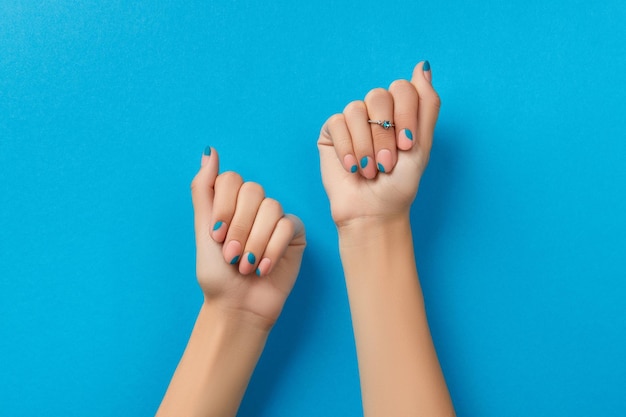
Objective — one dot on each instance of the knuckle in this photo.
(335, 120)
(356, 107)
(380, 136)
(404, 115)
(431, 98)
(376, 94)
(253, 189)
(238, 229)
(194, 185)
(436, 100)
(400, 85)
(287, 226)
(229, 177)
(273, 206)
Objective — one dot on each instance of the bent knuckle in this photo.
(376, 94)
(229, 177)
(400, 85)
(287, 226)
(355, 108)
(253, 189)
(335, 119)
(273, 206)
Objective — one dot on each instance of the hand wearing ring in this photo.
(374, 152)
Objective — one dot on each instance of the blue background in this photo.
(520, 226)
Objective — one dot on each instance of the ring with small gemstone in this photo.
(385, 124)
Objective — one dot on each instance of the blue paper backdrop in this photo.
(105, 108)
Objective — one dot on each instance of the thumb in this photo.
(202, 186)
(428, 106)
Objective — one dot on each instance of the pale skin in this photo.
(371, 176)
(249, 254)
(248, 257)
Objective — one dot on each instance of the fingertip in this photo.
(299, 230)
(209, 165)
(206, 156)
(427, 72)
(422, 72)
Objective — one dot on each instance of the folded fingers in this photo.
(252, 227)
(367, 134)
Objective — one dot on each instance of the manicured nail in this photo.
(427, 73)
(264, 267)
(405, 140)
(219, 231)
(349, 163)
(232, 252)
(384, 160)
(251, 258)
(205, 156)
(368, 167)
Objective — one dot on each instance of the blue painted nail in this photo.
(207, 151)
(408, 134)
(234, 260)
(426, 66)
(251, 258)
(364, 161)
(353, 169)
(218, 225)
(381, 168)
(258, 272)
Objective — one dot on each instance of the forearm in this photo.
(217, 364)
(398, 365)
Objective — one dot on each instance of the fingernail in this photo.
(427, 73)
(384, 160)
(405, 139)
(264, 267)
(219, 231)
(232, 252)
(349, 163)
(251, 258)
(368, 170)
(205, 156)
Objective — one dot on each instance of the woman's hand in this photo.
(248, 251)
(370, 172)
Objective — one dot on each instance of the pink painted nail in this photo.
(367, 167)
(264, 267)
(219, 231)
(232, 252)
(405, 139)
(349, 163)
(384, 160)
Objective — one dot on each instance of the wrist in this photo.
(374, 231)
(234, 318)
